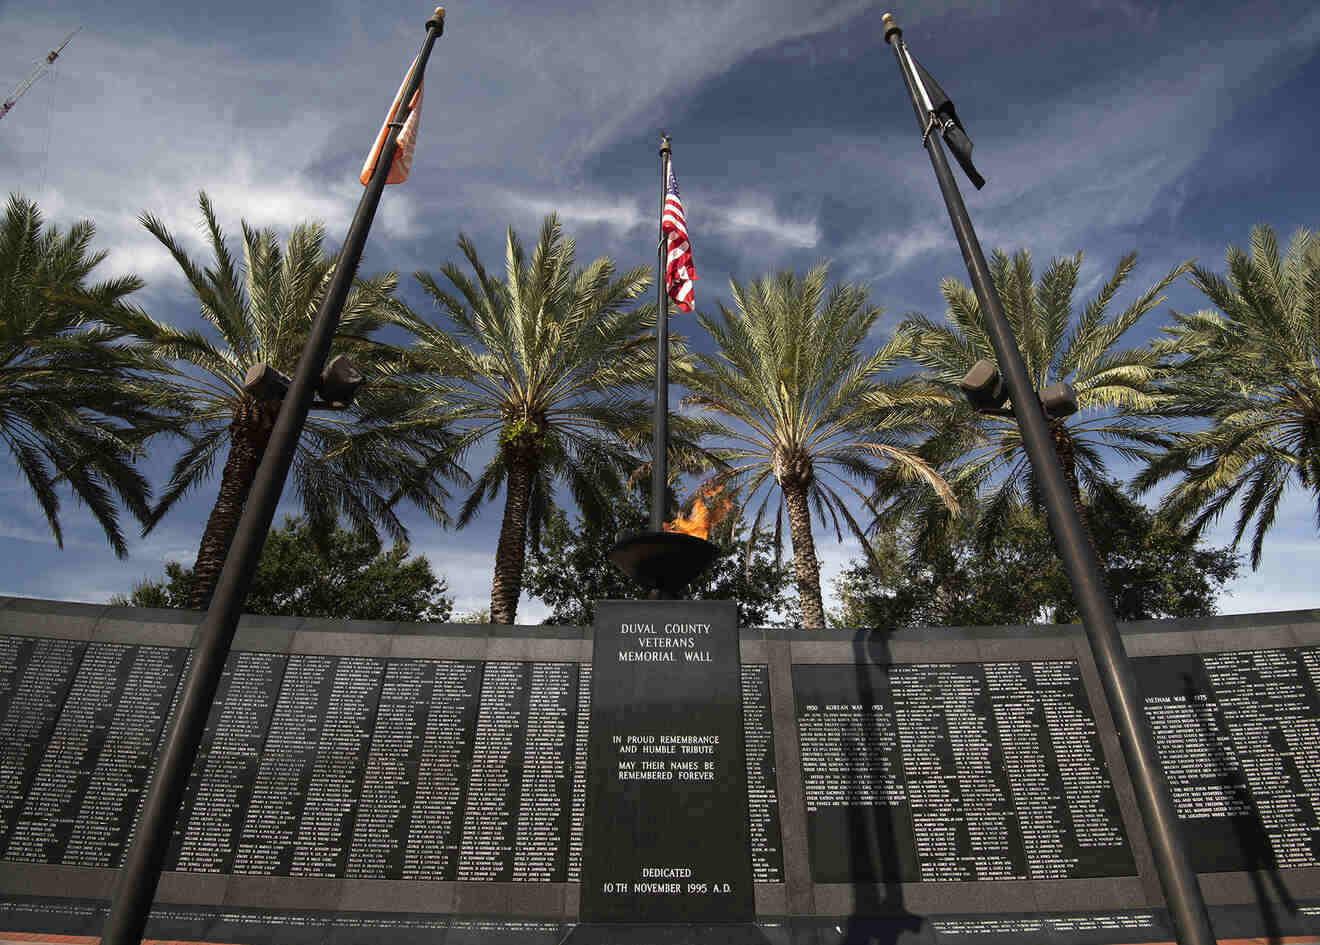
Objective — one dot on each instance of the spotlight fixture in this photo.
(985, 389)
(1059, 400)
(265, 383)
(983, 386)
(338, 384)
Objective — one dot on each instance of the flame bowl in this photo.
(664, 562)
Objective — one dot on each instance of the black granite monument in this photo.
(362, 783)
(667, 824)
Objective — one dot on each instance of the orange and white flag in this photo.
(403, 155)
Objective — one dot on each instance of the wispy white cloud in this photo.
(747, 215)
(86, 570)
(755, 215)
(728, 33)
(1101, 156)
(218, 129)
(834, 556)
(469, 574)
(617, 214)
(1285, 580)
(877, 256)
(18, 531)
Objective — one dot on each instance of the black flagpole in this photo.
(660, 435)
(664, 563)
(1183, 895)
(141, 872)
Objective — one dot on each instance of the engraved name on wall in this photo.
(326, 766)
(1238, 736)
(446, 769)
(946, 772)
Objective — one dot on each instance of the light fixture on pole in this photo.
(337, 385)
(985, 390)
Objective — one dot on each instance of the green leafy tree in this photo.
(356, 462)
(545, 367)
(1252, 368)
(571, 570)
(74, 407)
(812, 415)
(982, 455)
(1151, 569)
(344, 575)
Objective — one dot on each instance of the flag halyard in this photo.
(407, 141)
(679, 271)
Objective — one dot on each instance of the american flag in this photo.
(679, 274)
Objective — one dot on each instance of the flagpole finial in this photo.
(891, 27)
(664, 142)
(437, 19)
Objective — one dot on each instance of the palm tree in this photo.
(982, 455)
(812, 414)
(547, 364)
(1253, 369)
(357, 462)
(73, 408)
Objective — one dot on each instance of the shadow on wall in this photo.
(1260, 864)
(878, 915)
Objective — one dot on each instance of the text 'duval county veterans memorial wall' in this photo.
(356, 768)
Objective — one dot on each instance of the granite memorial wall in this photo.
(373, 769)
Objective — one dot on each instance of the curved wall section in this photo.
(367, 768)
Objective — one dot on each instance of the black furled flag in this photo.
(935, 101)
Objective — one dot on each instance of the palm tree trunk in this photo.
(1063, 448)
(248, 435)
(804, 557)
(507, 585)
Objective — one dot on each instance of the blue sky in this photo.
(1169, 129)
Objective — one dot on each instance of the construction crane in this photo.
(37, 73)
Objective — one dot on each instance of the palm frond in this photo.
(981, 457)
(1251, 367)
